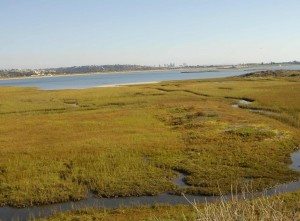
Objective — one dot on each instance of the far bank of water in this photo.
(95, 80)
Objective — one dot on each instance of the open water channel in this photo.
(96, 80)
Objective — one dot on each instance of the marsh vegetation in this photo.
(56, 146)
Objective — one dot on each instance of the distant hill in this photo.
(16, 73)
(101, 68)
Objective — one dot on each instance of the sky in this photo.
(61, 33)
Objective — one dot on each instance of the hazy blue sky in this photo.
(51, 33)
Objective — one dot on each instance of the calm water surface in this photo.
(94, 80)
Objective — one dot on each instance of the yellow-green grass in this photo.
(156, 213)
(57, 145)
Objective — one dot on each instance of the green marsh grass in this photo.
(130, 141)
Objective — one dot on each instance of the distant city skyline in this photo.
(60, 33)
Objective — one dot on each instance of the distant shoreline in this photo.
(183, 70)
(198, 69)
(93, 73)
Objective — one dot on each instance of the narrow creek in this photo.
(247, 102)
(241, 102)
(22, 214)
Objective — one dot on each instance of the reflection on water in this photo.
(243, 102)
(295, 157)
(179, 181)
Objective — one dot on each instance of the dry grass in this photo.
(262, 208)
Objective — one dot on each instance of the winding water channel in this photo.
(10, 213)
